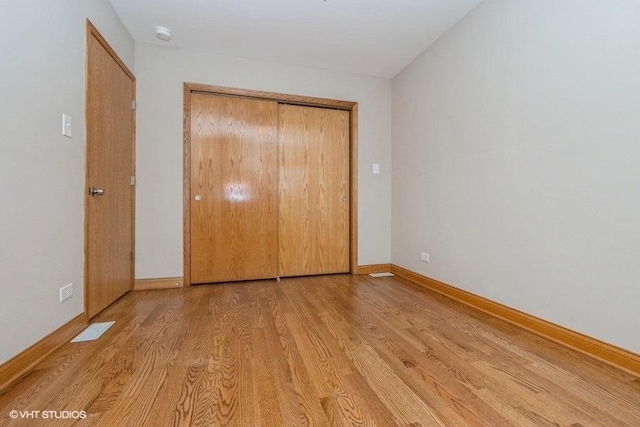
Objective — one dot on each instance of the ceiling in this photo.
(371, 37)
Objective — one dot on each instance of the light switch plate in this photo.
(67, 129)
(376, 168)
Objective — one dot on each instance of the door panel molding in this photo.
(352, 107)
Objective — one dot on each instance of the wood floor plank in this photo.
(443, 399)
(323, 351)
(547, 387)
(301, 404)
(189, 364)
(269, 411)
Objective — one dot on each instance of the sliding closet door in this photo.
(313, 234)
(234, 188)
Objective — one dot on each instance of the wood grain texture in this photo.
(191, 89)
(353, 190)
(234, 170)
(158, 283)
(271, 96)
(313, 229)
(590, 346)
(92, 30)
(110, 164)
(186, 183)
(373, 268)
(21, 364)
(321, 350)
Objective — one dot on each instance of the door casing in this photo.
(350, 106)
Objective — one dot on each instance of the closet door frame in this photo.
(350, 106)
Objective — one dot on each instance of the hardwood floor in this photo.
(326, 350)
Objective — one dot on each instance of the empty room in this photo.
(320, 212)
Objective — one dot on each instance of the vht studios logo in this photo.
(60, 415)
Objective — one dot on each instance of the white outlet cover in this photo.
(66, 292)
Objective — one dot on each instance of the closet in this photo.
(268, 188)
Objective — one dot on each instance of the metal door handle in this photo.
(343, 198)
(95, 191)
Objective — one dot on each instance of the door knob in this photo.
(197, 198)
(344, 198)
(96, 191)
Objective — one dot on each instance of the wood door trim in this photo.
(186, 200)
(92, 31)
(350, 106)
(158, 283)
(374, 268)
(272, 96)
(585, 344)
(353, 190)
(20, 365)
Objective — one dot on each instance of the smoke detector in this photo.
(163, 33)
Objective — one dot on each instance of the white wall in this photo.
(161, 72)
(516, 161)
(42, 69)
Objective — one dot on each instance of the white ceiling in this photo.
(372, 37)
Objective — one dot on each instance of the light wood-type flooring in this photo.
(325, 351)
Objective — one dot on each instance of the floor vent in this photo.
(93, 332)
(381, 274)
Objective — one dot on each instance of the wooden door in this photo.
(313, 230)
(109, 211)
(234, 188)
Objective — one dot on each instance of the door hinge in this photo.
(133, 104)
(133, 180)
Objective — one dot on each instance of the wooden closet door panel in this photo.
(234, 175)
(313, 230)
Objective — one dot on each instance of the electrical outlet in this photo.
(66, 292)
(424, 256)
